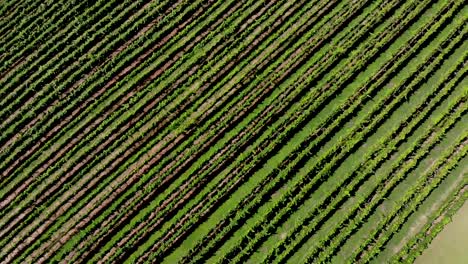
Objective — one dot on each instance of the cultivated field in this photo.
(233, 131)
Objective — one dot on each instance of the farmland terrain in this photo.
(242, 131)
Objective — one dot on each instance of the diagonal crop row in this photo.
(261, 187)
(59, 62)
(364, 172)
(59, 117)
(11, 15)
(49, 20)
(411, 200)
(436, 223)
(295, 197)
(301, 234)
(357, 213)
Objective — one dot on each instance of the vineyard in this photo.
(208, 131)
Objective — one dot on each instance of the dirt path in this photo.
(422, 220)
(449, 246)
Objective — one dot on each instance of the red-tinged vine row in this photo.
(411, 200)
(109, 132)
(14, 15)
(59, 84)
(42, 27)
(75, 112)
(118, 63)
(101, 236)
(215, 164)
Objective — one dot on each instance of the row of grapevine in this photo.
(243, 206)
(300, 232)
(226, 131)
